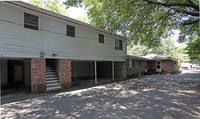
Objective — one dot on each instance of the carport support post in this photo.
(75, 69)
(95, 65)
(113, 70)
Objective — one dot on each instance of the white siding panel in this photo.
(17, 41)
(10, 13)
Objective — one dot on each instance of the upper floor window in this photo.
(101, 38)
(118, 44)
(30, 21)
(70, 31)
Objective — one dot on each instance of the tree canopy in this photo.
(51, 5)
(166, 48)
(193, 49)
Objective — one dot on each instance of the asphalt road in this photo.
(148, 97)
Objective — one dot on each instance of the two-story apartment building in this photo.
(45, 50)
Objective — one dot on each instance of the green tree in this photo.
(139, 50)
(167, 48)
(193, 49)
(52, 5)
(181, 49)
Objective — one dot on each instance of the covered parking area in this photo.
(15, 76)
(89, 73)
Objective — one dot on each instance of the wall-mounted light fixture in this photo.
(54, 55)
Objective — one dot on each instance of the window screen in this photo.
(70, 31)
(101, 38)
(30, 21)
(120, 45)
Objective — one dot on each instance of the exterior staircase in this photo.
(52, 79)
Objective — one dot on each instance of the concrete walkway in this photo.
(149, 97)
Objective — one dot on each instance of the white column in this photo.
(113, 70)
(95, 65)
(91, 70)
(75, 69)
(0, 71)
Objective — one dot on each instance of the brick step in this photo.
(53, 88)
(52, 78)
(52, 84)
(51, 75)
(52, 81)
(50, 70)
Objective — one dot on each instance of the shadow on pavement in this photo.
(155, 96)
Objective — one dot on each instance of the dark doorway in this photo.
(15, 72)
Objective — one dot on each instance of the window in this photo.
(101, 38)
(174, 62)
(131, 63)
(145, 64)
(30, 21)
(158, 65)
(118, 44)
(70, 31)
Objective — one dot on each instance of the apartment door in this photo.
(158, 66)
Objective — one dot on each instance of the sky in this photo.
(175, 38)
(75, 12)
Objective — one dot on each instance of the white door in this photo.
(158, 66)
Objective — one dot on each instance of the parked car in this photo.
(195, 66)
(186, 65)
